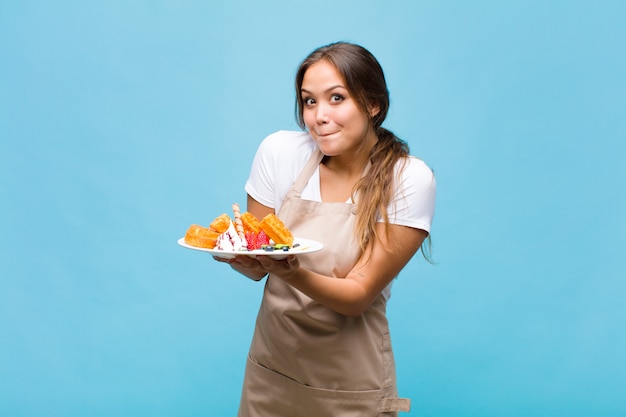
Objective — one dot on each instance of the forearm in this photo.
(353, 294)
(343, 295)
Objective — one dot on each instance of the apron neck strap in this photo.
(308, 170)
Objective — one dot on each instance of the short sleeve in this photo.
(260, 184)
(414, 200)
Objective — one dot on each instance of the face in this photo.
(333, 118)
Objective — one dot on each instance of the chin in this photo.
(328, 150)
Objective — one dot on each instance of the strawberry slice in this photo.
(251, 239)
(262, 239)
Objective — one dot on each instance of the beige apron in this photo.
(306, 360)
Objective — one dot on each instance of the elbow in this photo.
(357, 303)
(355, 309)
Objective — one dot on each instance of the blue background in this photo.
(122, 122)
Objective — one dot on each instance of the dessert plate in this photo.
(300, 247)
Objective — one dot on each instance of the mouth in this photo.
(324, 134)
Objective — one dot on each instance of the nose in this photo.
(321, 114)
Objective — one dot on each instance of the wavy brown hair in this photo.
(366, 83)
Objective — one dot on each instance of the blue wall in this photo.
(122, 122)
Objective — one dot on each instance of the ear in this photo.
(373, 110)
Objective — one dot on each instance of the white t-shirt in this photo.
(282, 156)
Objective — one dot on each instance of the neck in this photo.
(353, 163)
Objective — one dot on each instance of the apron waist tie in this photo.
(395, 404)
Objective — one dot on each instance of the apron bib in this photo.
(306, 359)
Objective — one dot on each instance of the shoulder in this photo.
(414, 171)
(277, 163)
(285, 152)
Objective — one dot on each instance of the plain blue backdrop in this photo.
(122, 122)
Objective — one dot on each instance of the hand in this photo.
(285, 268)
(259, 266)
(245, 265)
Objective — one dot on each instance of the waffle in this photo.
(201, 237)
(220, 223)
(276, 230)
(250, 223)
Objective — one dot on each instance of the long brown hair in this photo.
(366, 83)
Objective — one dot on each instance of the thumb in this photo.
(292, 261)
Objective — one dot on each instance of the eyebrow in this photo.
(304, 90)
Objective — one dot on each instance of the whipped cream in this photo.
(230, 240)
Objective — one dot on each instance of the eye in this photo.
(335, 98)
(308, 101)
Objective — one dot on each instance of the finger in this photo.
(263, 260)
(246, 261)
(224, 260)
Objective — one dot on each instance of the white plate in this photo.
(304, 246)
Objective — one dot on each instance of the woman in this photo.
(321, 345)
